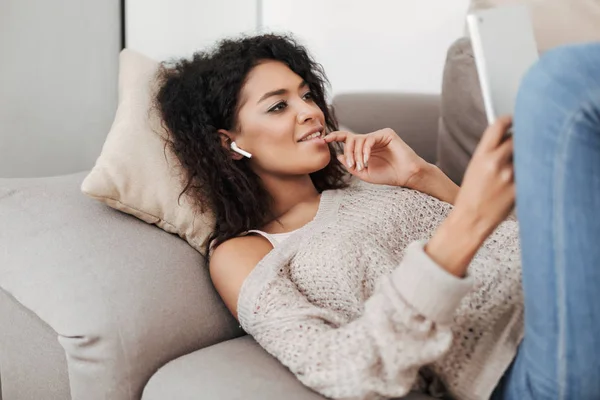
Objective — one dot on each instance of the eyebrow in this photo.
(279, 92)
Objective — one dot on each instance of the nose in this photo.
(307, 112)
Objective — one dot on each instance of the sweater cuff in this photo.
(431, 290)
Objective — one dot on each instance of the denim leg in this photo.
(557, 173)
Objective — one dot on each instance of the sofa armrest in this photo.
(32, 363)
(414, 117)
(123, 297)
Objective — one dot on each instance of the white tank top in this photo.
(274, 238)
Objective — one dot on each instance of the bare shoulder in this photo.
(232, 261)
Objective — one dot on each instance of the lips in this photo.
(316, 132)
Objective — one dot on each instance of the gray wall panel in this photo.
(58, 83)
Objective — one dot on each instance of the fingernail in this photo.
(349, 162)
(365, 158)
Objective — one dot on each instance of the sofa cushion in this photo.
(32, 363)
(135, 172)
(463, 117)
(123, 297)
(236, 369)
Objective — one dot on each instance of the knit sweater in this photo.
(353, 306)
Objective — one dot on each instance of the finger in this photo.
(507, 174)
(342, 159)
(513, 193)
(510, 194)
(507, 190)
(369, 143)
(358, 152)
(493, 135)
(354, 171)
(349, 152)
(508, 198)
(337, 136)
(505, 151)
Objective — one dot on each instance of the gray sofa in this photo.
(96, 304)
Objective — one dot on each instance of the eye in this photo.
(278, 107)
(309, 95)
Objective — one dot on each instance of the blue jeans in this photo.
(557, 174)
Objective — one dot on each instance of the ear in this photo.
(226, 139)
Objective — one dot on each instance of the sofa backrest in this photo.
(414, 117)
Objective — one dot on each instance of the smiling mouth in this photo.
(312, 136)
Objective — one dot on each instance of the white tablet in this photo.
(504, 47)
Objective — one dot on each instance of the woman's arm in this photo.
(404, 325)
(432, 181)
(484, 200)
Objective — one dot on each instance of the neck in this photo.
(289, 192)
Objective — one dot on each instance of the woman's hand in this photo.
(485, 199)
(487, 194)
(379, 157)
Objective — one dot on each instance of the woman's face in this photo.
(277, 110)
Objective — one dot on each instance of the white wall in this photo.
(58, 69)
(374, 45)
(163, 29)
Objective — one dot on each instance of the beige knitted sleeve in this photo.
(377, 355)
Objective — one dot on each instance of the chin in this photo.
(324, 162)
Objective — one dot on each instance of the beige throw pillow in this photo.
(135, 172)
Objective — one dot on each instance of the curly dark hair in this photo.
(197, 97)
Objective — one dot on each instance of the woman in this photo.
(396, 279)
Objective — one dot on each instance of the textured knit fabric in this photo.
(354, 307)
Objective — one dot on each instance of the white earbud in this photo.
(235, 148)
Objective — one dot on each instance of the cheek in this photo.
(276, 133)
(275, 147)
(293, 158)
